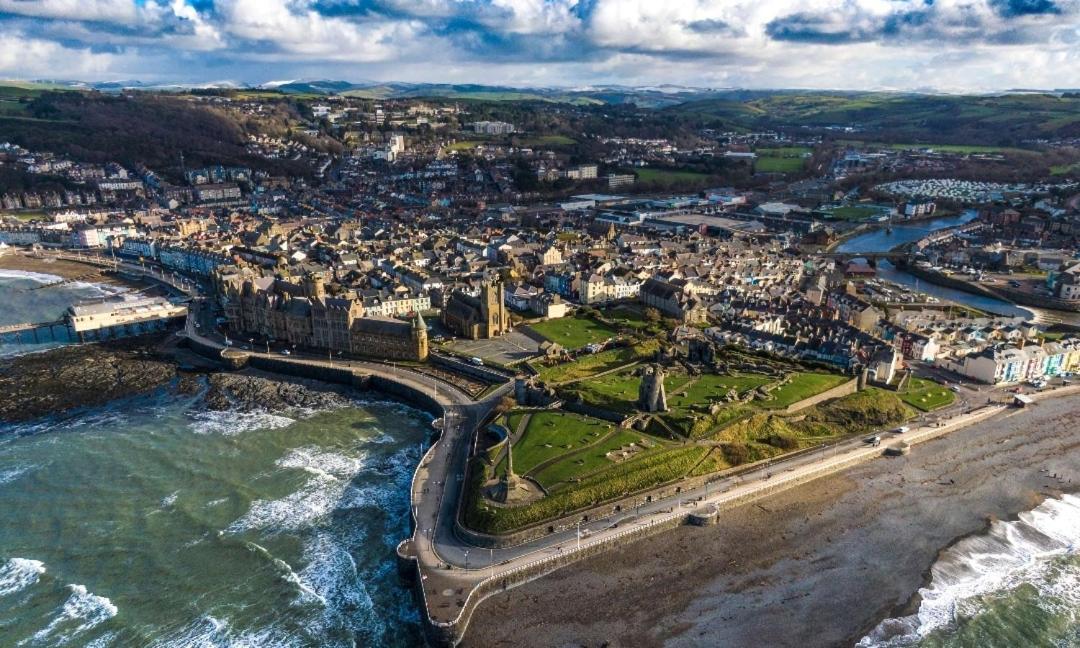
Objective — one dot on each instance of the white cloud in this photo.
(953, 44)
(305, 32)
(22, 56)
(114, 11)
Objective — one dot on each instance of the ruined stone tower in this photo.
(651, 394)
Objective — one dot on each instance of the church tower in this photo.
(315, 286)
(493, 309)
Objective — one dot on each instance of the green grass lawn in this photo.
(25, 216)
(855, 213)
(669, 176)
(551, 434)
(593, 459)
(778, 165)
(958, 148)
(618, 392)
(802, 385)
(1065, 169)
(574, 332)
(627, 316)
(926, 395)
(712, 387)
(592, 364)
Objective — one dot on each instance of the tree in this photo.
(652, 315)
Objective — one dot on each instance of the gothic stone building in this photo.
(478, 318)
(303, 315)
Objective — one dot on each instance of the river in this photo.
(880, 240)
(153, 522)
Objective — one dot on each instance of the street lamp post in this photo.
(466, 560)
(579, 535)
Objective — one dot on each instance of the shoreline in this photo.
(66, 270)
(863, 541)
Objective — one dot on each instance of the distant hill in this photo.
(999, 119)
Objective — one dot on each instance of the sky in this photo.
(934, 45)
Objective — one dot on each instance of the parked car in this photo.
(286, 352)
(476, 361)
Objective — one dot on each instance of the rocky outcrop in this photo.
(41, 384)
(247, 392)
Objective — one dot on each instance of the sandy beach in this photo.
(815, 566)
(60, 268)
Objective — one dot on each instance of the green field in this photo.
(592, 460)
(560, 447)
(778, 165)
(574, 332)
(802, 385)
(669, 176)
(552, 434)
(618, 392)
(1065, 169)
(784, 159)
(855, 213)
(592, 364)
(926, 395)
(958, 148)
(581, 462)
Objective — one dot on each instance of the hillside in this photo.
(148, 129)
(996, 120)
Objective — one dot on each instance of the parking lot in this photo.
(510, 348)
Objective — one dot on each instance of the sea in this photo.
(1016, 585)
(153, 522)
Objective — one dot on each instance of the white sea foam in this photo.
(169, 499)
(211, 632)
(1008, 555)
(321, 493)
(83, 610)
(9, 475)
(331, 573)
(19, 573)
(230, 423)
(39, 277)
(285, 570)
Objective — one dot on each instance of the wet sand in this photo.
(66, 269)
(816, 566)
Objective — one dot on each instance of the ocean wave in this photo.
(325, 490)
(9, 475)
(298, 510)
(19, 573)
(1010, 554)
(211, 632)
(39, 277)
(230, 423)
(286, 572)
(169, 499)
(331, 572)
(83, 610)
